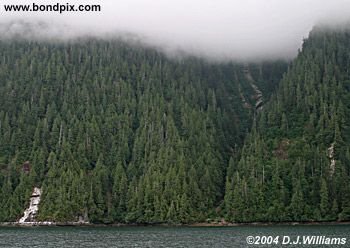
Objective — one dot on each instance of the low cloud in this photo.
(222, 29)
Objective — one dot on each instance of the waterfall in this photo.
(31, 212)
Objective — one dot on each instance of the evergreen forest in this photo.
(118, 132)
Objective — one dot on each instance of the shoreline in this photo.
(198, 224)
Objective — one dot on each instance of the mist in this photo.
(221, 29)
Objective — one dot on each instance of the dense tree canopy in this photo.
(116, 132)
(296, 160)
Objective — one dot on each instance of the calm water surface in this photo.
(46, 237)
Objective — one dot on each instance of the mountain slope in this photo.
(295, 164)
(115, 132)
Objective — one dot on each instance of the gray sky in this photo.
(232, 29)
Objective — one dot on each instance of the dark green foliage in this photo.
(120, 133)
(116, 132)
(298, 150)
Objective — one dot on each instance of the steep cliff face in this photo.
(31, 212)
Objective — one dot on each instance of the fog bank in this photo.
(222, 29)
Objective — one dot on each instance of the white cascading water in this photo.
(31, 212)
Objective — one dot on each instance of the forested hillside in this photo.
(112, 131)
(295, 163)
(115, 132)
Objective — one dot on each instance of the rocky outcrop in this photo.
(31, 212)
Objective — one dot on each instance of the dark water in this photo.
(162, 236)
